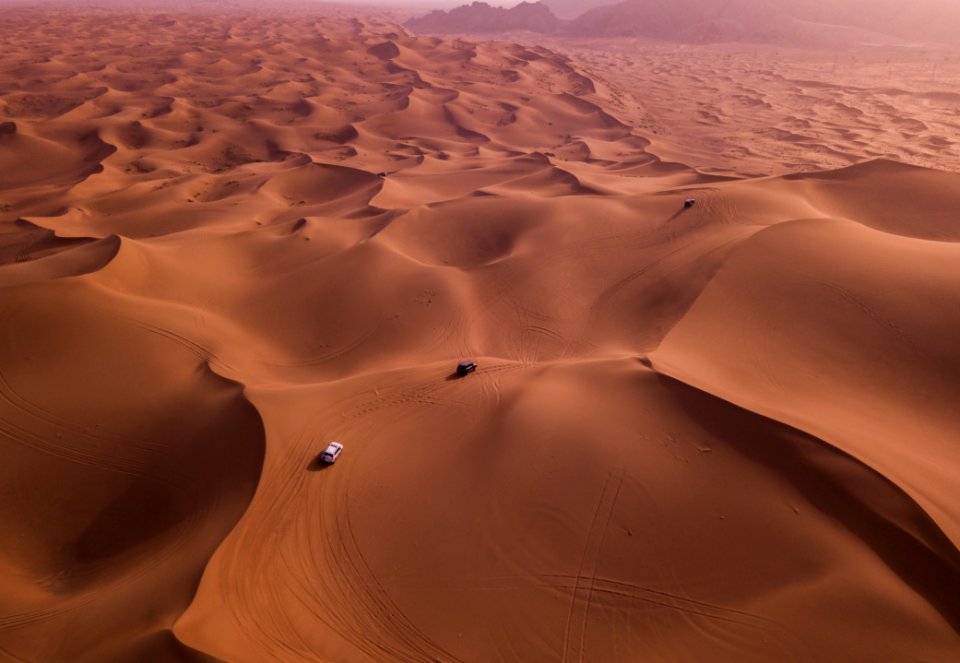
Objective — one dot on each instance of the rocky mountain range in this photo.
(816, 22)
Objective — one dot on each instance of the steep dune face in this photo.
(719, 432)
(125, 462)
(873, 329)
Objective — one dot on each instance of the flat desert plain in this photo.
(723, 432)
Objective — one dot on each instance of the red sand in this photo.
(727, 433)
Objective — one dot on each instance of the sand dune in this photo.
(852, 333)
(718, 433)
(768, 110)
(119, 485)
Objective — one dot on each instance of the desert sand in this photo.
(762, 109)
(727, 432)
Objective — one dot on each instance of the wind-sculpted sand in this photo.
(760, 109)
(721, 433)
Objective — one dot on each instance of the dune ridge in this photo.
(722, 432)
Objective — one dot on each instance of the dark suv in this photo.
(465, 367)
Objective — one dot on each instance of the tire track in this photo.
(589, 557)
(592, 579)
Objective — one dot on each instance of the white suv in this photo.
(331, 453)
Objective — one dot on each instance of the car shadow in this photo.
(678, 214)
(455, 376)
(316, 465)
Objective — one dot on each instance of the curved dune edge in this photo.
(825, 344)
(81, 256)
(151, 496)
(905, 536)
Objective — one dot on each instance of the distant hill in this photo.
(481, 17)
(566, 9)
(775, 21)
(812, 22)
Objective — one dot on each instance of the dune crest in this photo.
(870, 347)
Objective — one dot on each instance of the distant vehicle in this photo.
(331, 453)
(465, 367)
(689, 202)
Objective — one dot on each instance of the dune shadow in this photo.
(920, 554)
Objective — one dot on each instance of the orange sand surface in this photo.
(722, 433)
(761, 109)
